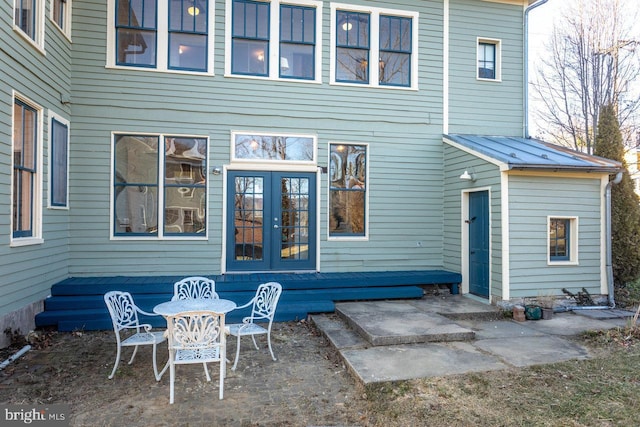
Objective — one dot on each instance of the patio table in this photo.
(171, 308)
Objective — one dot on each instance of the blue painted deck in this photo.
(77, 303)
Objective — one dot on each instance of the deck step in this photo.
(77, 303)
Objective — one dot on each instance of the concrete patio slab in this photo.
(380, 364)
(394, 323)
(379, 340)
(532, 350)
(499, 329)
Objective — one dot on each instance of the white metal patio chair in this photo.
(193, 288)
(124, 316)
(263, 310)
(196, 337)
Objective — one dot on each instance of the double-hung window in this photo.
(59, 162)
(28, 19)
(61, 15)
(136, 32)
(159, 186)
(188, 35)
(562, 240)
(250, 38)
(488, 59)
(373, 47)
(25, 188)
(273, 39)
(175, 35)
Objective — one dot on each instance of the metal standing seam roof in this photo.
(532, 154)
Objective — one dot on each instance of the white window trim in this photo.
(36, 238)
(312, 162)
(65, 122)
(573, 240)
(274, 41)
(366, 196)
(498, 45)
(67, 19)
(162, 34)
(374, 48)
(38, 43)
(161, 188)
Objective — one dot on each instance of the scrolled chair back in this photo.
(194, 288)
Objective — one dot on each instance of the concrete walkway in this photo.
(435, 336)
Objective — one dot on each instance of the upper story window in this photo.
(488, 59)
(25, 185)
(374, 47)
(161, 35)
(61, 15)
(136, 32)
(28, 19)
(563, 240)
(273, 39)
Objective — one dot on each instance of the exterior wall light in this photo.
(466, 176)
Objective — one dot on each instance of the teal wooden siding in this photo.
(487, 177)
(531, 200)
(403, 129)
(27, 272)
(482, 107)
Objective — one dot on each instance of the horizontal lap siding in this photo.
(532, 199)
(481, 107)
(487, 177)
(27, 272)
(403, 129)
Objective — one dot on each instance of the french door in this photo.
(271, 221)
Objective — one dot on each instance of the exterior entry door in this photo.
(271, 221)
(479, 243)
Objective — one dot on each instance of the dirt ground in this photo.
(306, 386)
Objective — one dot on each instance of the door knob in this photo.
(276, 226)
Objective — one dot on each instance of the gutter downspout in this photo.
(607, 195)
(526, 64)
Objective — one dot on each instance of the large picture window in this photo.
(149, 206)
(347, 190)
(25, 217)
(59, 155)
(289, 50)
(372, 46)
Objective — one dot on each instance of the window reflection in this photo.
(347, 190)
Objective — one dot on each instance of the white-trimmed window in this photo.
(562, 240)
(489, 59)
(163, 35)
(58, 162)
(28, 21)
(348, 190)
(374, 47)
(273, 147)
(26, 183)
(61, 15)
(274, 39)
(159, 186)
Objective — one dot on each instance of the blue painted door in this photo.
(271, 221)
(478, 222)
